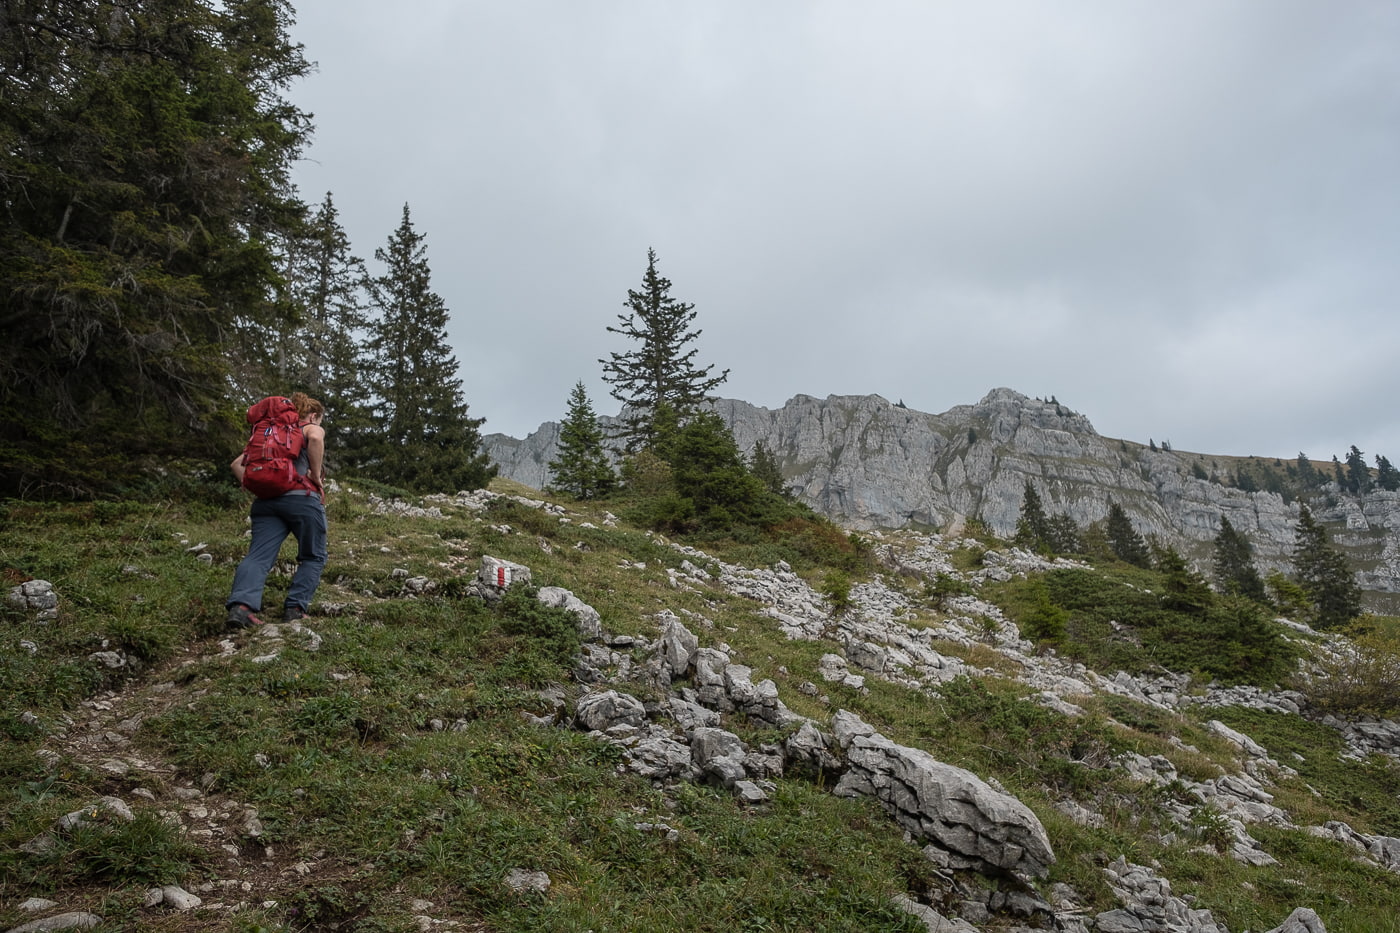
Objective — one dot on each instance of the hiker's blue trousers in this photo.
(296, 514)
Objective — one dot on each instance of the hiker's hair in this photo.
(306, 405)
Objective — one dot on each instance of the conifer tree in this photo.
(1123, 539)
(1387, 477)
(1322, 571)
(660, 370)
(327, 282)
(1307, 475)
(582, 468)
(1063, 534)
(1032, 527)
(1358, 475)
(144, 171)
(1233, 568)
(424, 440)
(764, 465)
(1183, 590)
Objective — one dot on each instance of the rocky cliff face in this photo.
(870, 464)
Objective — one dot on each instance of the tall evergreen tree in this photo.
(582, 468)
(1032, 527)
(1233, 569)
(327, 284)
(1387, 477)
(145, 150)
(1123, 539)
(1183, 590)
(1358, 474)
(424, 439)
(1322, 571)
(764, 465)
(1063, 534)
(660, 370)
(1307, 474)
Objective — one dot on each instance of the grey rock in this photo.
(1302, 920)
(35, 904)
(522, 881)
(495, 576)
(590, 623)
(73, 920)
(678, 646)
(810, 747)
(932, 920)
(951, 807)
(870, 464)
(1149, 905)
(33, 596)
(604, 710)
(173, 897)
(719, 755)
(689, 715)
(656, 755)
(749, 793)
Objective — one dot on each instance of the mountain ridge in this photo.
(872, 464)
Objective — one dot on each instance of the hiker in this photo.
(292, 504)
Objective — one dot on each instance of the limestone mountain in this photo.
(869, 463)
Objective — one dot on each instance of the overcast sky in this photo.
(1181, 219)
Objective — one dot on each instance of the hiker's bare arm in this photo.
(315, 453)
(237, 467)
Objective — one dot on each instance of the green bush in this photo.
(1363, 679)
(836, 587)
(551, 632)
(1141, 620)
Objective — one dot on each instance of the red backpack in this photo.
(269, 460)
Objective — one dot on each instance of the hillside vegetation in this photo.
(394, 763)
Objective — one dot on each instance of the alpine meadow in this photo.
(697, 667)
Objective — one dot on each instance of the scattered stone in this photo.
(527, 882)
(36, 904)
(601, 711)
(73, 920)
(1302, 920)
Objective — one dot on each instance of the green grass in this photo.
(396, 758)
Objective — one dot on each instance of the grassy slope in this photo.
(392, 768)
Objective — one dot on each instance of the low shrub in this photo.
(1362, 678)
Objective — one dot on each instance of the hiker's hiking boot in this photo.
(293, 614)
(241, 617)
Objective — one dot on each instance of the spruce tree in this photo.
(582, 468)
(1233, 567)
(764, 465)
(1358, 475)
(1387, 477)
(660, 370)
(327, 283)
(1063, 534)
(423, 440)
(1123, 539)
(1307, 474)
(1322, 571)
(1183, 590)
(144, 173)
(1032, 527)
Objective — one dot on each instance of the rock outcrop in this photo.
(869, 464)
